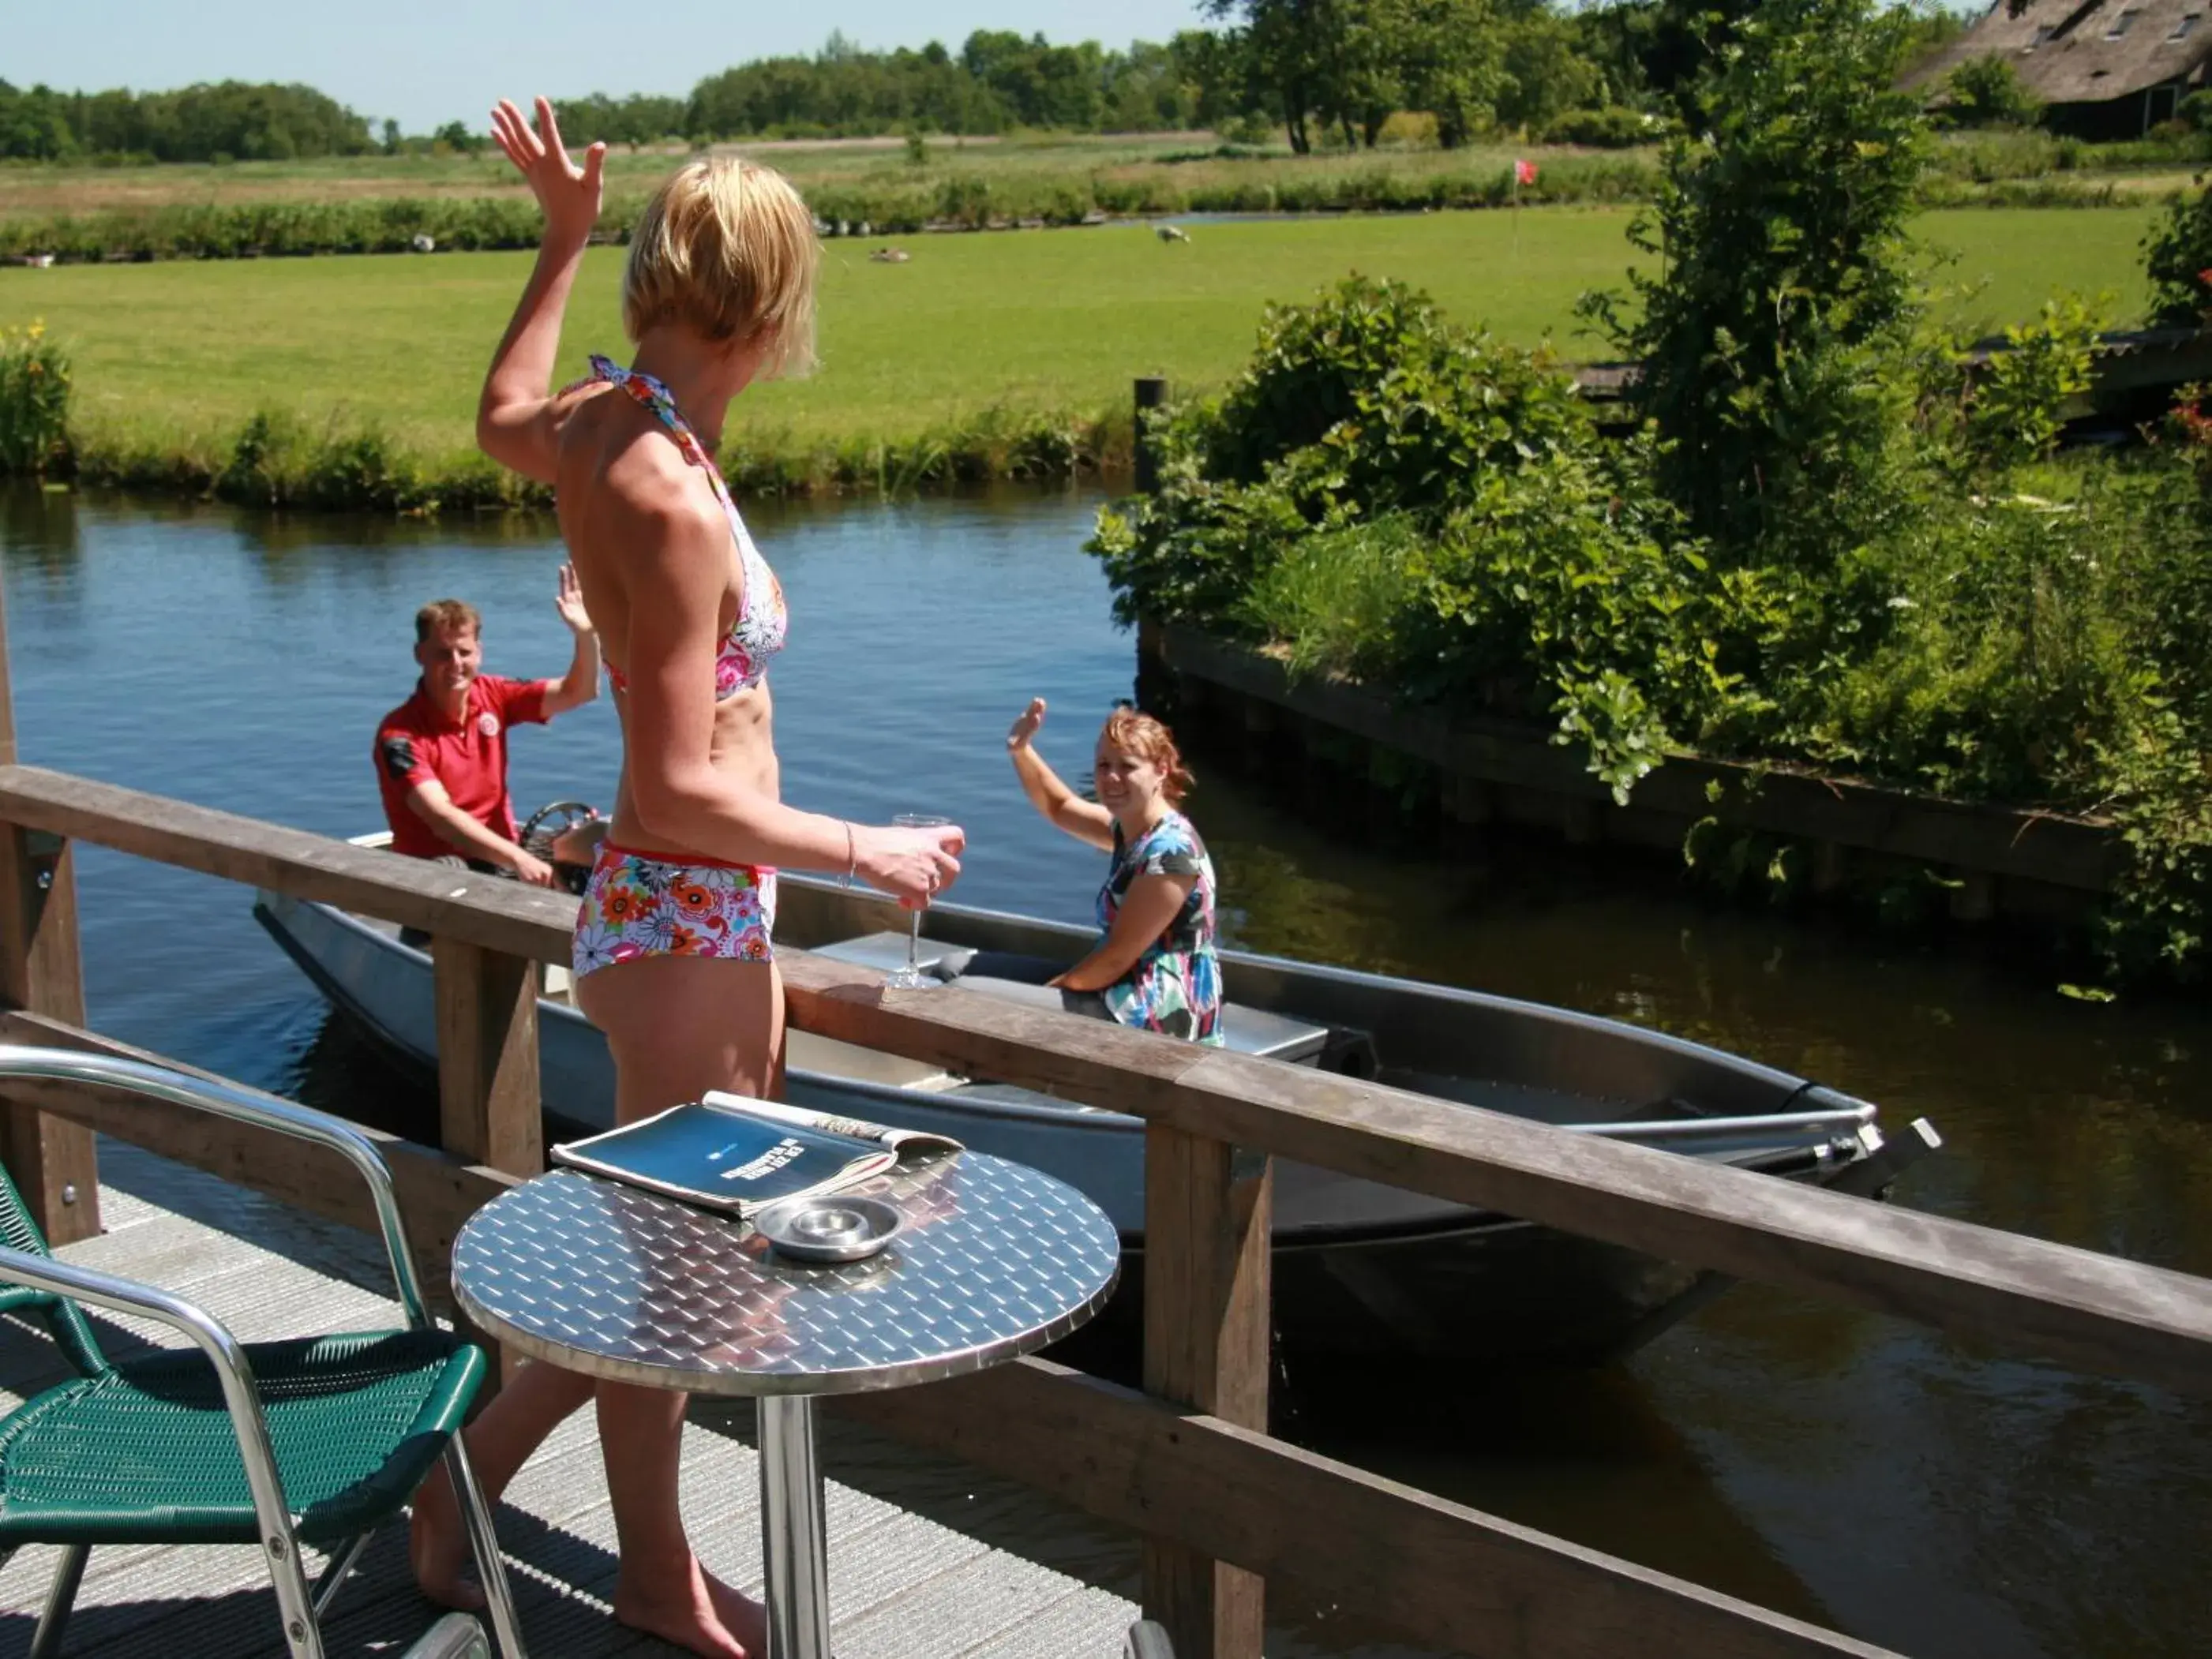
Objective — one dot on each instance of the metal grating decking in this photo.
(903, 1585)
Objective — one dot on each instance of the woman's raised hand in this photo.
(1025, 727)
(910, 865)
(568, 194)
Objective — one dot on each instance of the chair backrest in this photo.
(72, 1335)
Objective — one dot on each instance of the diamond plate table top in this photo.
(994, 1260)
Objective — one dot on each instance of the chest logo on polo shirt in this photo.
(488, 723)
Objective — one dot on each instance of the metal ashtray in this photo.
(837, 1228)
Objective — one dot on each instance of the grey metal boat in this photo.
(1359, 1269)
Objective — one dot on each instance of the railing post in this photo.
(487, 1086)
(488, 1098)
(1208, 1214)
(54, 1162)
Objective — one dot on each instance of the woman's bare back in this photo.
(624, 481)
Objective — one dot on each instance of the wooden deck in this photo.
(905, 1584)
(1231, 1517)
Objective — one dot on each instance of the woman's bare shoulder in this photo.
(625, 462)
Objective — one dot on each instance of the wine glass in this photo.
(910, 977)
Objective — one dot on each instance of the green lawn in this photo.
(1056, 320)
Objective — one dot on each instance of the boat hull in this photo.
(1359, 1270)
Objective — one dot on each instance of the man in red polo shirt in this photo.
(441, 756)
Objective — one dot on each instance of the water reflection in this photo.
(39, 526)
(1930, 1495)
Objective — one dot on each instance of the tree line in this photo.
(1318, 71)
(233, 121)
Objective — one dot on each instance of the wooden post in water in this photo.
(1151, 393)
(1208, 1214)
(53, 1162)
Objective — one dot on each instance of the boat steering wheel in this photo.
(541, 833)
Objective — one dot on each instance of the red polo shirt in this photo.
(415, 744)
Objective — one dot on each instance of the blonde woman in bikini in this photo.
(673, 959)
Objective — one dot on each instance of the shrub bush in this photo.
(1387, 496)
(1605, 128)
(2178, 256)
(34, 403)
(1381, 496)
(235, 230)
(1986, 91)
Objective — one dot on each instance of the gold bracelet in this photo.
(852, 856)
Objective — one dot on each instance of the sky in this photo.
(428, 62)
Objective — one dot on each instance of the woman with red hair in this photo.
(1154, 966)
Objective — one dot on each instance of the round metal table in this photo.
(994, 1260)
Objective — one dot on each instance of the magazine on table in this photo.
(736, 1154)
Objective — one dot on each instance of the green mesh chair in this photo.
(312, 1442)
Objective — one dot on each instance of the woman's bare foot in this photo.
(438, 1545)
(682, 1606)
(742, 1616)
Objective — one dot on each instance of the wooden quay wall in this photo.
(1999, 860)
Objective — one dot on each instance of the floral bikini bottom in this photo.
(639, 904)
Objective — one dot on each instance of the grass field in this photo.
(1192, 159)
(39, 190)
(168, 353)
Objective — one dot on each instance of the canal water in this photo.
(1943, 1499)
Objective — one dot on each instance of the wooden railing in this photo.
(1188, 1463)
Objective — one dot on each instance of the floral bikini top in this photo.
(762, 623)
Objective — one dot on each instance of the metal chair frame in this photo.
(300, 1607)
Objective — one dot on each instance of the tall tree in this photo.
(1350, 64)
(1294, 49)
(1451, 63)
(1786, 275)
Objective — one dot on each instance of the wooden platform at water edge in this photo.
(903, 1584)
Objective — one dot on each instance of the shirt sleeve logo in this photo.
(398, 758)
(488, 723)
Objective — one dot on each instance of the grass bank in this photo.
(983, 357)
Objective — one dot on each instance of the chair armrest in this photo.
(127, 1296)
(241, 1106)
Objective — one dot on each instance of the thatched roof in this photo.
(2085, 52)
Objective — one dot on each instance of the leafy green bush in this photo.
(1383, 494)
(2025, 393)
(243, 229)
(1986, 91)
(1363, 404)
(1613, 128)
(2178, 256)
(34, 402)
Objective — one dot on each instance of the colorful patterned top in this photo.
(762, 623)
(1175, 987)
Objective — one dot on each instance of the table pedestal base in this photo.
(794, 1538)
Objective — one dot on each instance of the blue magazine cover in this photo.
(733, 1154)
